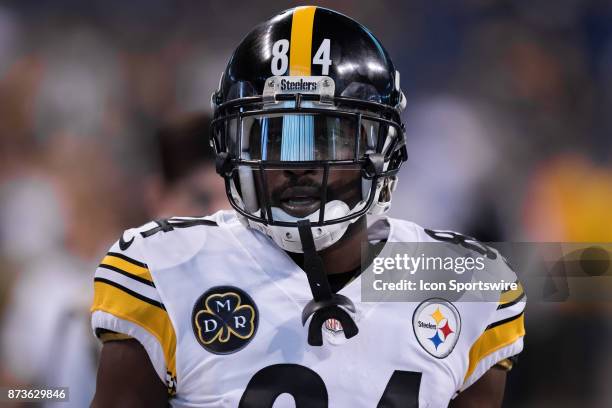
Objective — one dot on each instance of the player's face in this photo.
(290, 138)
(298, 191)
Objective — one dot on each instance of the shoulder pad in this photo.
(167, 242)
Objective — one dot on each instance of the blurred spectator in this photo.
(451, 155)
(56, 221)
(186, 183)
(57, 249)
(570, 200)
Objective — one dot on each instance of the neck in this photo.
(345, 255)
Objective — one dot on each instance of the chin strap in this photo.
(325, 304)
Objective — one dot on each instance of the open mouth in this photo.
(300, 201)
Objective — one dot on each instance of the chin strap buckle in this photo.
(325, 304)
(322, 311)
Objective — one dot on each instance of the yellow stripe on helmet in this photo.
(300, 47)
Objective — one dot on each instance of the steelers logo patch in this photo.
(224, 319)
(437, 324)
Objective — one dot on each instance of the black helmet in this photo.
(309, 91)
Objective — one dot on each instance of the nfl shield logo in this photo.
(333, 325)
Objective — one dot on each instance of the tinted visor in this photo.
(303, 137)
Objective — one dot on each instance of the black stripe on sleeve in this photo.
(100, 331)
(512, 302)
(167, 225)
(504, 321)
(131, 292)
(124, 273)
(128, 259)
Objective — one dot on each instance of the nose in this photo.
(296, 174)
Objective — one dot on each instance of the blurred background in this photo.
(103, 126)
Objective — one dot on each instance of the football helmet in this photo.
(308, 96)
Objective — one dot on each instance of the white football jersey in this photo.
(218, 307)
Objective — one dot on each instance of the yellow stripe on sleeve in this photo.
(127, 266)
(493, 339)
(300, 47)
(155, 320)
(511, 295)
